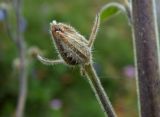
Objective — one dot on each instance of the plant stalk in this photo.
(147, 57)
(99, 91)
(23, 69)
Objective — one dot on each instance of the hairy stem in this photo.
(99, 91)
(22, 69)
(147, 58)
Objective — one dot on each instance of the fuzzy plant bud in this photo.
(71, 46)
(73, 50)
(16, 64)
(33, 51)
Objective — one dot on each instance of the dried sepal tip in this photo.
(53, 22)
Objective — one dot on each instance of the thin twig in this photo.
(99, 91)
(47, 61)
(94, 31)
(22, 53)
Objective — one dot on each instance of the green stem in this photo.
(99, 91)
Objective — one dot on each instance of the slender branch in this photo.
(22, 53)
(47, 61)
(94, 31)
(147, 50)
(99, 91)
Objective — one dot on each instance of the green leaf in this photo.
(110, 9)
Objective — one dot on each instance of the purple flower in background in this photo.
(2, 14)
(129, 71)
(56, 104)
(23, 24)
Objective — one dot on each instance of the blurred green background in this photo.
(60, 91)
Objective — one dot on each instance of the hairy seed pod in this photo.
(72, 47)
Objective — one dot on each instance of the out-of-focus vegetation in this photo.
(60, 91)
